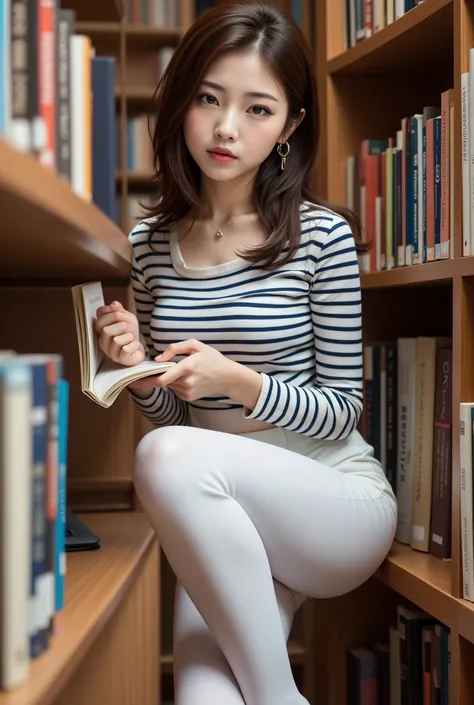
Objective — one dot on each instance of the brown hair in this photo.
(229, 27)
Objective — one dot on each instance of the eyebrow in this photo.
(252, 94)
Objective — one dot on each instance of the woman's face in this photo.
(236, 118)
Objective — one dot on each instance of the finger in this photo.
(186, 347)
(132, 347)
(116, 306)
(123, 341)
(113, 317)
(176, 372)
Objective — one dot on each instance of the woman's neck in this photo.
(224, 200)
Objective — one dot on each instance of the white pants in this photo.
(251, 525)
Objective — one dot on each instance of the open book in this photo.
(102, 380)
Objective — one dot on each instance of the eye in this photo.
(207, 99)
(257, 110)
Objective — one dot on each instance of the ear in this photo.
(294, 124)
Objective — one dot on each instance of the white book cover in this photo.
(406, 372)
(467, 525)
(465, 173)
(15, 534)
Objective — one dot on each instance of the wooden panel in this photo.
(122, 667)
(464, 671)
(96, 584)
(92, 10)
(47, 232)
(388, 314)
(101, 441)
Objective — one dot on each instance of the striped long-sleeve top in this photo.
(299, 326)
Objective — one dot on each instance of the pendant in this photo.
(219, 234)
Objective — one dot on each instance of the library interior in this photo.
(86, 590)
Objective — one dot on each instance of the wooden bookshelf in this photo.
(407, 44)
(100, 587)
(365, 91)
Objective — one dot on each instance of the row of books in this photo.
(407, 418)
(362, 18)
(34, 401)
(139, 147)
(57, 98)
(153, 13)
(410, 667)
(401, 189)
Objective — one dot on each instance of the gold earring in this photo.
(283, 156)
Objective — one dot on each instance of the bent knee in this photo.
(161, 459)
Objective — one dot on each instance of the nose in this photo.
(226, 128)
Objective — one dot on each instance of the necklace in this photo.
(220, 231)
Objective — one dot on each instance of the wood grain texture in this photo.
(65, 237)
(97, 583)
(122, 667)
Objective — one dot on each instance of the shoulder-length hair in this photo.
(278, 195)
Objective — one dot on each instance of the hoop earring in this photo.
(283, 155)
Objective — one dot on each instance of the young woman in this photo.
(260, 488)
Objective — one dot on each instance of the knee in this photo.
(159, 462)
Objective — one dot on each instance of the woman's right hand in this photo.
(118, 334)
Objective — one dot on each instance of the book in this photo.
(102, 379)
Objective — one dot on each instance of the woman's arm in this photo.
(332, 407)
(162, 406)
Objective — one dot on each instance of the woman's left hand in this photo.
(204, 372)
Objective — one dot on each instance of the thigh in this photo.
(325, 532)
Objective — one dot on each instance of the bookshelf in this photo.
(50, 239)
(366, 90)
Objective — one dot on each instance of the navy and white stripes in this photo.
(298, 326)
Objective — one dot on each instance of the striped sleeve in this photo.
(163, 407)
(331, 408)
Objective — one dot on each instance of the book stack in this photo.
(57, 98)
(153, 13)
(362, 18)
(410, 667)
(407, 418)
(401, 189)
(34, 401)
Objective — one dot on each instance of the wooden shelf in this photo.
(428, 273)
(423, 579)
(96, 582)
(155, 36)
(95, 11)
(48, 232)
(417, 42)
(141, 94)
(141, 34)
(99, 30)
(136, 177)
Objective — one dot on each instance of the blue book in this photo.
(63, 398)
(5, 71)
(103, 135)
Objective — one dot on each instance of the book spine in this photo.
(65, 28)
(20, 128)
(440, 542)
(47, 83)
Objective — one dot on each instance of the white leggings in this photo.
(251, 529)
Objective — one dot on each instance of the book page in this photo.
(112, 373)
(93, 297)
